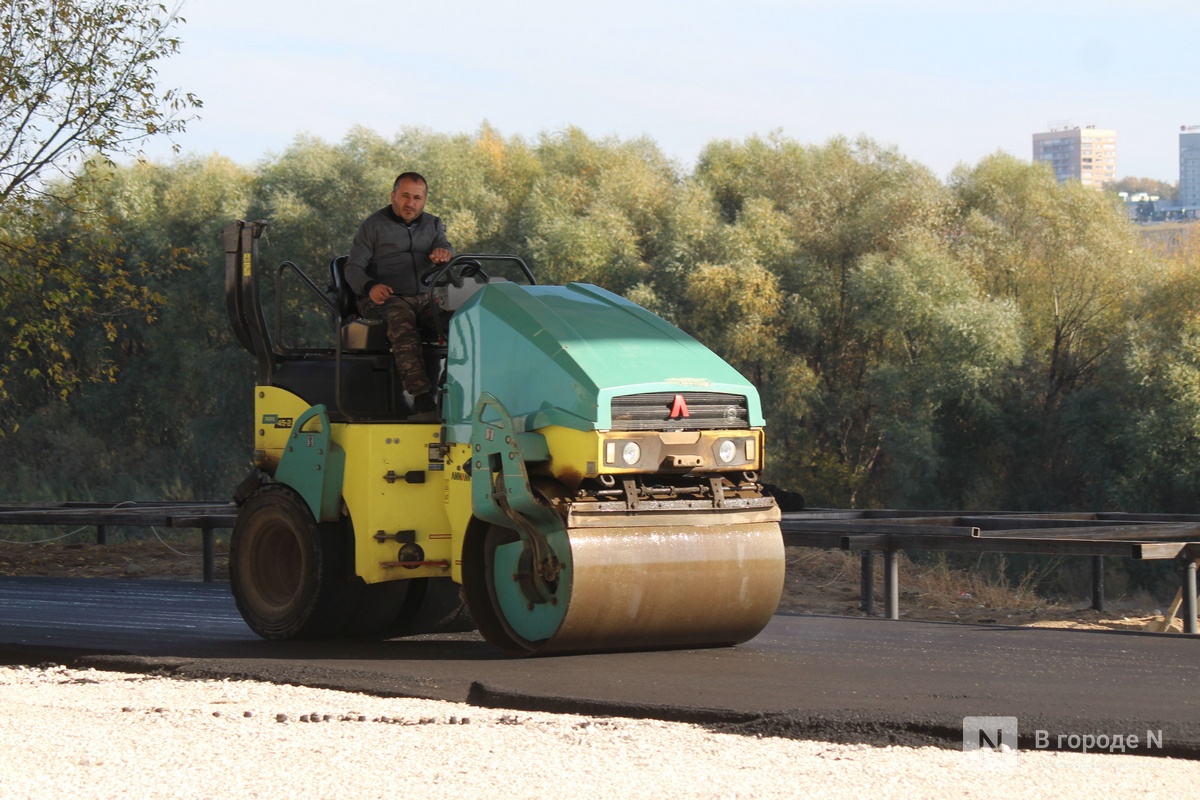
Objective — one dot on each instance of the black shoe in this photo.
(424, 408)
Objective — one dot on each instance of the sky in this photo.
(946, 83)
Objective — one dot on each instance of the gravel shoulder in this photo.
(94, 734)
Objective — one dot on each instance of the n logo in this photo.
(989, 733)
(680, 410)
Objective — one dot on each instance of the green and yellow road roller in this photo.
(590, 482)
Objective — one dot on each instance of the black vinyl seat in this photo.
(357, 334)
(361, 335)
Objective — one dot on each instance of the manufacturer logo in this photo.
(680, 410)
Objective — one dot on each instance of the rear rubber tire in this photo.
(288, 573)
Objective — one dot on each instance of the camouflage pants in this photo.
(404, 316)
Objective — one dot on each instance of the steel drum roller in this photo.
(644, 586)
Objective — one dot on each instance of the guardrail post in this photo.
(1189, 597)
(867, 582)
(891, 584)
(206, 535)
(1098, 583)
(101, 534)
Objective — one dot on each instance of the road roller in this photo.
(589, 482)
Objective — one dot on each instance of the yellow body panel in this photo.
(375, 454)
(457, 496)
(275, 410)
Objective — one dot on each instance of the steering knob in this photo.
(472, 268)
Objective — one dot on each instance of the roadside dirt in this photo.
(827, 582)
(148, 558)
(818, 582)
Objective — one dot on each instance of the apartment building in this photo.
(1087, 155)
(1189, 167)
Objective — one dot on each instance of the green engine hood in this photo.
(557, 355)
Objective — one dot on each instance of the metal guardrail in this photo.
(1098, 535)
(205, 516)
(1134, 536)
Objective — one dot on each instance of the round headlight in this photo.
(726, 451)
(631, 453)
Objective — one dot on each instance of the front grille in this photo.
(706, 411)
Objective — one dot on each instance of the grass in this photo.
(828, 581)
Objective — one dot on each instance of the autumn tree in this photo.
(1075, 269)
(1149, 451)
(814, 217)
(171, 426)
(1151, 186)
(77, 81)
(77, 89)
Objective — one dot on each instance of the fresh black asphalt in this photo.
(863, 680)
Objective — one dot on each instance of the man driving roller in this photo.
(392, 250)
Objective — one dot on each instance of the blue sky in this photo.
(946, 83)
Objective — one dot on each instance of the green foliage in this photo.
(597, 209)
(479, 185)
(1132, 186)
(815, 217)
(66, 279)
(1157, 388)
(165, 420)
(1062, 252)
(1072, 265)
(77, 87)
(935, 343)
(997, 341)
(77, 80)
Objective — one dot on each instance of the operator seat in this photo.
(362, 335)
(357, 334)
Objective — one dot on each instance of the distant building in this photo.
(1189, 168)
(1087, 155)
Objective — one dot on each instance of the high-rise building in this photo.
(1189, 167)
(1087, 155)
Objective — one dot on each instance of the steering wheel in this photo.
(472, 268)
(446, 274)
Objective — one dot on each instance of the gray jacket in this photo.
(386, 250)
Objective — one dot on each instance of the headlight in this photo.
(726, 451)
(622, 453)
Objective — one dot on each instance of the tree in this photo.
(77, 81)
(934, 350)
(1063, 253)
(1151, 186)
(171, 425)
(595, 211)
(1073, 266)
(813, 216)
(77, 88)
(1153, 437)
